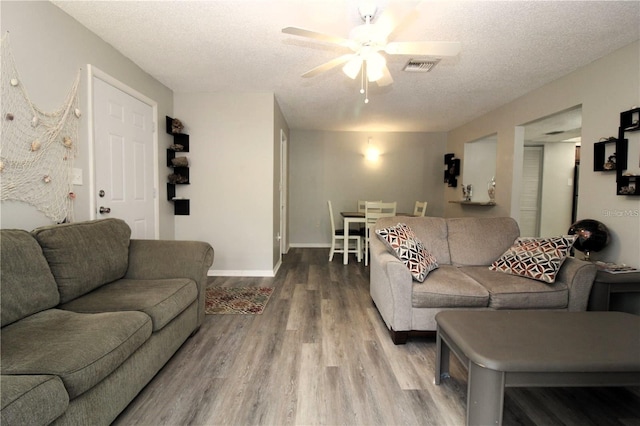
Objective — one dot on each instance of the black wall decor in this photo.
(452, 169)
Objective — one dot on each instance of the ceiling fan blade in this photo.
(424, 48)
(328, 65)
(386, 77)
(318, 36)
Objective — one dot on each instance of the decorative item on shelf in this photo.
(592, 236)
(175, 178)
(611, 162)
(452, 169)
(176, 126)
(176, 147)
(467, 192)
(491, 189)
(180, 162)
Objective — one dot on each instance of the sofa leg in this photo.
(399, 337)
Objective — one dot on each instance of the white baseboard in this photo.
(240, 273)
(310, 245)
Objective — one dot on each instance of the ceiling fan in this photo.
(367, 41)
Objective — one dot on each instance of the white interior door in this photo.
(124, 158)
(531, 191)
(283, 194)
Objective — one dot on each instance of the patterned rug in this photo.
(236, 300)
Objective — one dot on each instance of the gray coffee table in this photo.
(535, 348)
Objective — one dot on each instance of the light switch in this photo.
(77, 176)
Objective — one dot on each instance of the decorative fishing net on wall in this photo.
(37, 147)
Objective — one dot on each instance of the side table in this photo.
(607, 283)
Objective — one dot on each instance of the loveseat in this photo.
(89, 316)
(464, 248)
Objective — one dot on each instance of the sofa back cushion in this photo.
(431, 231)
(476, 241)
(27, 286)
(85, 255)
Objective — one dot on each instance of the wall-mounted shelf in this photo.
(474, 203)
(180, 173)
(601, 161)
(627, 183)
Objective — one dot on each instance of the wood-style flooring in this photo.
(321, 354)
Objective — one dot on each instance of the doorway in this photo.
(558, 135)
(125, 148)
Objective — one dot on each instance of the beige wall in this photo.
(49, 48)
(327, 165)
(604, 88)
(232, 161)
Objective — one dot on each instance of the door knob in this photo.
(105, 210)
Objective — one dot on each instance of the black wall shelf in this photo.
(180, 174)
(600, 157)
(626, 184)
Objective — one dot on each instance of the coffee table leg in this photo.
(442, 359)
(485, 396)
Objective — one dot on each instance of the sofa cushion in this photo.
(27, 284)
(480, 240)
(401, 241)
(162, 300)
(85, 255)
(81, 349)
(515, 292)
(448, 287)
(32, 400)
(535, 258)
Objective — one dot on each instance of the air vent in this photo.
(420, 65)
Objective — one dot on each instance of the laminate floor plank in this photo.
(320, 354)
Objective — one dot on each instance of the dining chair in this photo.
(373, 211)
(337, 239)
(420, 208)
(362, 203)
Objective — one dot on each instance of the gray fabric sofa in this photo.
(464, 248)
(89, 316)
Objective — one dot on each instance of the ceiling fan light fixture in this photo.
(352, 67)
(375, 66)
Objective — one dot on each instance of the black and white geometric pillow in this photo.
(402, 242)
(536, 258)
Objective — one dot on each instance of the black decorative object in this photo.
(592, 236)
(602, 162)
(452, 169)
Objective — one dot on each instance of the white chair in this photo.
(420, 208)
(362, 203)
(374, 211)
(337, 239)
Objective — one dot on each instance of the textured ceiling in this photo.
(508, 49)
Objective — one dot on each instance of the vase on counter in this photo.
(491, 189)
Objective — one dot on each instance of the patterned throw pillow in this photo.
(536, 258)
(403, 244)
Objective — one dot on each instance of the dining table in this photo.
(349, 218)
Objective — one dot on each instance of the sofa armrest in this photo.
(578, 275)
(391, 288)
(157, 259)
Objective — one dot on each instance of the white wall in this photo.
(49, 47)
(604, 88)
(231, 139)
(479, 167)
(328, 165)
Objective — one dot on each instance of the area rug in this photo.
(236, 300)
